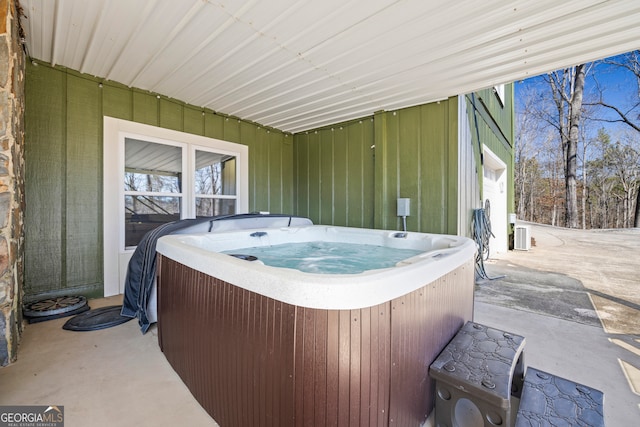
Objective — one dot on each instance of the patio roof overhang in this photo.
(298, 65)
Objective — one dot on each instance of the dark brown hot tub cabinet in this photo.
(252, 361)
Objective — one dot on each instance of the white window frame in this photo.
(185, 211)
(116, 256)
(499, 91)
(192, 157)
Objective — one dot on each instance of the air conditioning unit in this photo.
(522, 240)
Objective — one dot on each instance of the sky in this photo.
(620, 88)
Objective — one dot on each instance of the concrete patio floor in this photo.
(118, 377)
(105, 378)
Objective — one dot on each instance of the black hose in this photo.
(481, 230)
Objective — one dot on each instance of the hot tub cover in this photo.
(141, 270)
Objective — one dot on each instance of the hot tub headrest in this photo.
(246, 221)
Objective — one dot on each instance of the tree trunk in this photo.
(584, 186)
(636, 221)
(572, 147)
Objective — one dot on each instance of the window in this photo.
(153, 176)
(499, 91)
(214, 184)
(152, 187)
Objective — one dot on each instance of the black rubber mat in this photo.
(57, 316)
(54, 305)
(99, 318)
(54, 308)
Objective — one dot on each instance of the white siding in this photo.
(468, 185)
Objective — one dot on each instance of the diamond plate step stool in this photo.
(476, 374)
(551, 400)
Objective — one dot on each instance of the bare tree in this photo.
(572, 146)
(613, 180)
(567, 88)
(539, 156)
(526, 151)
(624, 159)
(599, 181)
(630, 113)
(548, 166)
(553, 165)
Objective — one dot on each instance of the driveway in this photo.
(575, 298)
(588, 276)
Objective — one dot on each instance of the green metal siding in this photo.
(145, 108)
(63, 157)
(416, 158)
(83, 192)
(360, 174)
(214, 126)
(338, 181)
(171, 115)
(45, 180)
(117, 101)
(193, 120)
(492, 123)
(334, 174)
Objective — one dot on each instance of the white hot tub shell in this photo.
(440, 255)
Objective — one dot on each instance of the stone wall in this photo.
(12, 67)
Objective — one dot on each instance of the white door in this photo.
(494, 190)
(153, 176)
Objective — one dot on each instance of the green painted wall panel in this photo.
(409, 153)
(326, 176)
(414, 156)
(231, 129)
(500, 113)
(360, 174)
(492, 123)
(145, 108)
(171, 113)
(260, 157)
(380, 166)
(414, 162)
(45, 173)
(287, 174)
(452, 156)
(248, 134)
(313, 167)
(340, 179)
(391, 174)
(434, 169)
(83, 183)
(193, 121)
(117, 102)
(334, 174)
(389, 156)
(340, 176)
(354, 208)
(274, 173)
(214, 126)
(301, 172)
(368, 172)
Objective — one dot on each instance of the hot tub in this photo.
(260, 345)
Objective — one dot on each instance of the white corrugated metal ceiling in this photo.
(298, 65)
